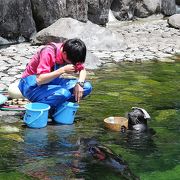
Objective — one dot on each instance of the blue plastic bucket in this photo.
(36, 115)
(65, 113)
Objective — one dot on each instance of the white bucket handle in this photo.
(36, 118)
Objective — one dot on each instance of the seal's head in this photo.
(137, 119)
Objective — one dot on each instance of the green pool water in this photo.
(51, 152)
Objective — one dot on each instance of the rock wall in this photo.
(20, 20)
(178, 2)
(98, 11)
(146, 8)
(46, 12)
(16, 19)
(168, 7)
(123, 9)
(77, 9)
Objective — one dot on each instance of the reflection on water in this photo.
(141, 143)
(53, 152)
(48, 152)
(48, 141)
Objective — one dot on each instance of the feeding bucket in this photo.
(65, 113)
(116, 123)
(36, 115)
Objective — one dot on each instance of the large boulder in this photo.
(16, 20)
(174, 21)
(47, 12)
(178, 2)
(98, 11)
(123, 9)
(146, 8)
(95, 37)
(92, 61)
(168, 7)
(77, 9)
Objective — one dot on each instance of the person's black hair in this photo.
(75, 50)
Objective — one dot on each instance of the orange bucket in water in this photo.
(116, 123)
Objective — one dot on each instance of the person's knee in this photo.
(58, 97)
(63, 92)
(87, 88)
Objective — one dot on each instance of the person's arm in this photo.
(78, 89)
(47, 77)
(82, 75)
(44, 74)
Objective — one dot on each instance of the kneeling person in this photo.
(42, 80)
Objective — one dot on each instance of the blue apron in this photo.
(53, 93)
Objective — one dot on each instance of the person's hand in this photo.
(69, 68)
(78, 92)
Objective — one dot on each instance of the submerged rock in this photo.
(8, 129)
(14, 137)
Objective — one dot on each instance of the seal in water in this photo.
(137, 119)
(105, 156)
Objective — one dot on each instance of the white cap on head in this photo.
(146, 115)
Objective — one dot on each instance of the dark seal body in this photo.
(137, 120)
(101, 154)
